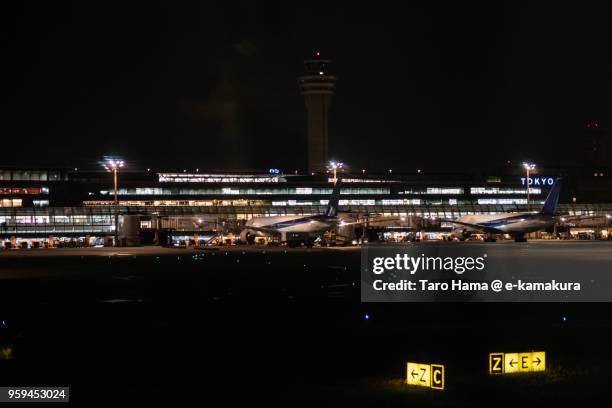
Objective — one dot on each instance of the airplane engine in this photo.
(247, 236)
(461, 233)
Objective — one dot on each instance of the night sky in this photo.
(213, 84)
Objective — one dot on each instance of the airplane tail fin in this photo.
(332, 205)
(550, 205)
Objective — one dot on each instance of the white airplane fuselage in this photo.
(511, 223)
(291, 223)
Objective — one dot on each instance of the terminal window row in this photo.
(279, 203)
(243, 191)
(315, 191)
(30, 175)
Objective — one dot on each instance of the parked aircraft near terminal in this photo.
(516, 224)
(295, 229)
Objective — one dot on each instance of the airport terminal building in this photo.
(50, 203)
(47, 204)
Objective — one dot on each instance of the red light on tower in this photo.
(317, 54)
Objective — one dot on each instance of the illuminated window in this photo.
(218, 178)
(496, 190)
(511, 201)
(23, 219)
(21, 190)
(438, 190)
(357, 202)
(502, 201)
(15, 202)
(394, 202)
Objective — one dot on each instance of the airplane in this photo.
(296, 228)
(516, 224)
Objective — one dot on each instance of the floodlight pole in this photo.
(528, 167)
(116, 207)
(527, 182)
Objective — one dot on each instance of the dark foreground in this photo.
(138, 327)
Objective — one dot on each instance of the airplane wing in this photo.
(565, 218)
(344, 224)
(573, 219)
(477, 227)
(370, 221)
(262, 229)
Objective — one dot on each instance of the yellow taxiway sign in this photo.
(509, 363)
(425, 375)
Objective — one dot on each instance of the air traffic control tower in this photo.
(317, 86)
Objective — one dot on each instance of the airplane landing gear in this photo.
(520, 238)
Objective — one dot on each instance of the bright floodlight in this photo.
(529, 166)
(112, 163)
(335, 164)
